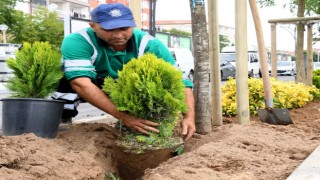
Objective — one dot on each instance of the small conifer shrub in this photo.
(152, 89)
(37, 70)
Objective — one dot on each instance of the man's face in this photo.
(114, 37)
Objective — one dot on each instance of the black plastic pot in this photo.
(31, 115)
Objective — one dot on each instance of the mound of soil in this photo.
(231, 151)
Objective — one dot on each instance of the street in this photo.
(281, 78)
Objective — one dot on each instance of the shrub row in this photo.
(285, 95)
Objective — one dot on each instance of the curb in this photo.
(309, 168)
(107, 119)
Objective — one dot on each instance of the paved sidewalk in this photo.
(108, 119)
(309, 168)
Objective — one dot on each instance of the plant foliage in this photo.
(316, 78)
(174, 31)
(41, 25)
(111, 176)
(152, 89)
(285, 95)
(36, 69)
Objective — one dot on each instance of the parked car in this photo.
(285, 68)
(184, 60)
(316, 65)
(254, 69)
(227, 70)
(253, 62)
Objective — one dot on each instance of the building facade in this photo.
(74, 8)
(80, 9)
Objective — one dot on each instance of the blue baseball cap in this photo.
(112, 16)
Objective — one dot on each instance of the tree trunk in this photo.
(300, 62)
(201, 69)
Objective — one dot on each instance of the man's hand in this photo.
(140, 125)
(188, 128)
(188, 123)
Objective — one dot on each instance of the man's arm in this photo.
(95, 96)
(188, 123)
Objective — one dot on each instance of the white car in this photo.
(316, 65)
(253, 62)
(184, 60)
(285, 68)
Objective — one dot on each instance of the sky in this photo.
(180, 10)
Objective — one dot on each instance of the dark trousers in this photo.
(64, 87)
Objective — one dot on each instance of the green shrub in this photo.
(285, 95)
(37, 70)
(152, 89)
(316, 78)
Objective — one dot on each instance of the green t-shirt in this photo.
(85, 55)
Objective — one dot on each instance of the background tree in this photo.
(301, 70)
(224, 41)
(200, 42)
(8, 15)
(6, 8)
(47, 26)
(42, 25)
(175, 31)
(302, 7)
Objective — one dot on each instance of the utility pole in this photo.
(152, 17)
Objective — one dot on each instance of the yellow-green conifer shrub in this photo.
(152, 89)
(37, 70)
(285, 95)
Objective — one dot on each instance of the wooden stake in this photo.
(243, 112)
(214, 54)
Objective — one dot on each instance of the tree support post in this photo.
(243, 113)
(274, 57)
(214, 54)
(309, 55)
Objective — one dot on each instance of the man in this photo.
(101, 50)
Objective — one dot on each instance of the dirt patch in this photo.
(132, 166)
(231, 151)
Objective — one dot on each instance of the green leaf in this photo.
(179, 150)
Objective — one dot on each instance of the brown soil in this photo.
(232, 151)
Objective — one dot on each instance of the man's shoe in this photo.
(66, 120)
